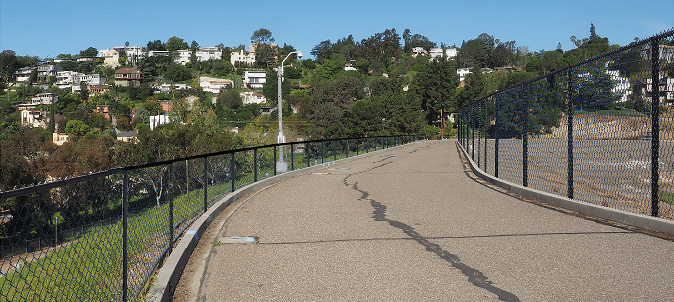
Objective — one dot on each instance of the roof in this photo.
(127, 70)
(127, 133)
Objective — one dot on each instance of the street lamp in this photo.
(281, 164)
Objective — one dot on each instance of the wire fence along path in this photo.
(100, 236)
(599, 131)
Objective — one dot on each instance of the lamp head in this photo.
(299, 54)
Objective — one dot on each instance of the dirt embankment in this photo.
(601, 126)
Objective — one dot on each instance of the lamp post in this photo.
(281, 164)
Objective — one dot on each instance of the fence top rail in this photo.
(100, 174)
(664, 34)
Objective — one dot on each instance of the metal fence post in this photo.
(569, 134)
(496, 125)
(484, 131)
(472, 131)
(525, 139)
(322, 152)
(308, 152)
(367, 145)
(348, 150)
(292, 157)
(255, 165)
(479, 115)
(357, 146)
(275, 160)
(125, 236)
(171, 196)
(205, 184)
(655, 125)
(233, 171)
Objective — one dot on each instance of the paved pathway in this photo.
(408, 224)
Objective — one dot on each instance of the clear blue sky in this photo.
(46, 28)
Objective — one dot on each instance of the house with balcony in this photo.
(254, 79)
(243, 57)
(66, 79)
(45, 98)
(128, 76)
(48, 70)
(23, 74)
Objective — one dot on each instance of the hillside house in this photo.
(202, 54)
(48, 70)
(128, 136)
(128, 76)
(244, 57)
(59, 138)
(250, 97)
(462, 72)
(23, 74)
(45, 98)
(254, 79)
(214, 85)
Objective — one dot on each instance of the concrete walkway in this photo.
(408, 224)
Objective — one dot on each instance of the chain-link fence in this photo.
(99, 237)
(600, 131)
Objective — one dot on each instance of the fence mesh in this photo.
(590, 131)
(64, 241)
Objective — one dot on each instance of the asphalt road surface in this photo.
(408, 224)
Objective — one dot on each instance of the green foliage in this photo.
(592, 90)
(435, 87)
(416, 40)
(77, 127)
(270, 89)
(230, 99)
(89, 52)
(261, 36)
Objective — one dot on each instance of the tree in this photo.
(380, 48)
(435, 87)
(77, 127)
(193, 56)
(84, 91)
(8, 64)
(261, 36)
(270, 88)
(476, 52)
(593, 33)
(592, 90)
(174, 43)
(155, 45)
(264, 55)
(502, 56)
(322, 51)
(229, 98)
(475, 88)
(89, 52)
(416, 40)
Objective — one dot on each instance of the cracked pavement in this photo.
(408, 224)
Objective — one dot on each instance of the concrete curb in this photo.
(628, 218)
(170, 273)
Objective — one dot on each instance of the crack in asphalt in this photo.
(475, 277)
